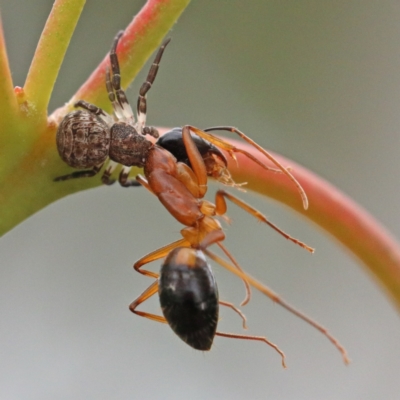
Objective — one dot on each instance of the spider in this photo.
(86, 138)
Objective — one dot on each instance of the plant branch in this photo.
(142, 36)
(333, 211)
(30, 159)
(50, 53)
(8, 103)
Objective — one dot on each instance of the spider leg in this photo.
(123, 178)
(106, 177)
(113, 82)
(142, 102)
(87, 173)
(118, 111)
(95, 110)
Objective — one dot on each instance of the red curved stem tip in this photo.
(332, 210)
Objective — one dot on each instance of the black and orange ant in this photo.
(186, 286)
(88, 138)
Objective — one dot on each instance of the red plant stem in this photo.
(333, 211)
(141, 37)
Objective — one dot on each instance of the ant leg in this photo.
(144, 183)
(196, 160)
(156, 255)
(274, 297)
(250, 337)
(216, 237)
(232, 149)
(80, 174)
(113, 83)
(236, 264)
(151, 76)
(237, 311)
(150, 291)
(186, 175)
(221, 209)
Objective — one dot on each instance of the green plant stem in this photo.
(8, 103)
(29, 159)
(50, 53)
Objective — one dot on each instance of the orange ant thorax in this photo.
(204, 226)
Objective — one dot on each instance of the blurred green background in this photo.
(316, 81)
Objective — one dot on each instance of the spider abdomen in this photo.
(189, 297)
(83, 139)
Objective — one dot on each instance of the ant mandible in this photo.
(186, 285)
(90, 137)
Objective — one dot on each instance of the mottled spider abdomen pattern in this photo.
(83, 139)
(189, 297)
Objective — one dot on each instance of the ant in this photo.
(186, 286)
(90, 137)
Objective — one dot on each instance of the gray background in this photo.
(316, 81)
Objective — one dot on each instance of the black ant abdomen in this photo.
(189, 297)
